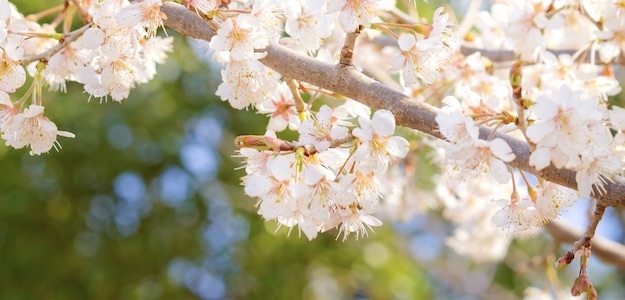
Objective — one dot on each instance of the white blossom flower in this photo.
(281, 109)
(321, 130)
(516, 214)
(418, 60)
(307, 22)
(201, 7)
(378, 147)
(246, 82)
(596, 169)
(354, 13)
(7, 112)
(563, 128)
(351, 220)
(552, 198)
(484, 156)
(12, 74)
(31, 128)
(145, 14)
(273, 190)
(239, 38)
(523, 22)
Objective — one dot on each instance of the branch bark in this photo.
(348, 81)
(604, 249)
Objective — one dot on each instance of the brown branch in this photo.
(347, 52)
(606, 250)
(63, 42)
(348, 81)
(299, 102)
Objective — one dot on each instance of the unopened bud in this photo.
(581, 285)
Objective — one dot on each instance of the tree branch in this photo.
(608, 251)
(348, 81)
(63, 42)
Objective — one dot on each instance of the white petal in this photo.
(502, 150)
(397, 146)
(281, 168)
(257, 186)
(383, 123)
(406, 41)
(499, 170)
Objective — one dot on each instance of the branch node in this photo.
(347, 52)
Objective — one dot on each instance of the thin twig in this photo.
(65, 40)
(299, 102)
(585, 240)
(347, 52)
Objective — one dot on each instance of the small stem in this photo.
(42, 14)
(585, 240)
(525, 178)
(516, 77)
(66, 40)
(347, 52)
(300, 105)
(514, 190)
(385, 30)
(82, 12)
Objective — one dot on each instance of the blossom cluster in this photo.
(559, 104)
(317, 184)
(116, 52)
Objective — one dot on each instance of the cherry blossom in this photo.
(377, 141)
(144, 14)
(321, 130)
(354, 13)
(516, 214)
(32, 129)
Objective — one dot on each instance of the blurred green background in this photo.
(145, 203)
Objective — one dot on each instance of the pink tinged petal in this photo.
(66, 134)
(348, 20)
(322, 145)
(499, 170)
(324, 115)
(33, 111)
(5, 99)
(338, 133)
(537, 131)
(363, 152)
(383, 123)
(93, 38)
(545, 108)
(540, 158)
(370, 220)
(309, 229)
(502, 150)
(472, 130)
(397, 63)
(584, 184)
(220, 43)
(312, 175)
(11, 77)
(397, 147)
(406, 41)
(257, 186)
(280, 168)
(617, 117)
(501, 218)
